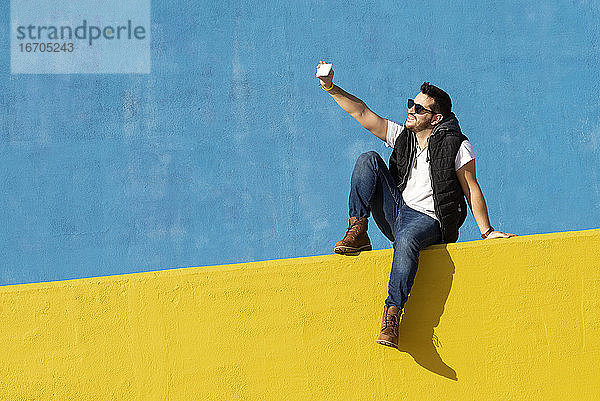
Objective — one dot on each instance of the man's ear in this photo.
(436, 119)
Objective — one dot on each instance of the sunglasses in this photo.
(418, 108)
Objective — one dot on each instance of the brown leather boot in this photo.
(356, 238)
(389, 327)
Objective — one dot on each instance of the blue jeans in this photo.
(373, 190)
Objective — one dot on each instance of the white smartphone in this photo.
(323, 70)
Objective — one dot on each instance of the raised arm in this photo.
(355, 107)
(470, 186)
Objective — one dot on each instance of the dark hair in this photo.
(443, 104)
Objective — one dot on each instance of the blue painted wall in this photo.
(229, 151)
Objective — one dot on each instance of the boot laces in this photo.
(391, 320)
(353, 230)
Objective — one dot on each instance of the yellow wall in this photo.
(515, 319)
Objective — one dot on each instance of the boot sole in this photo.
(387, 343)
(347, 249)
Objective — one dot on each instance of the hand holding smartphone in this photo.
(323, 70)
(325, 75)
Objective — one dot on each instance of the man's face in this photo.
(419, 122)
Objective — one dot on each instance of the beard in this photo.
(417, 124)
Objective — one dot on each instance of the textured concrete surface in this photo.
(513, 319)
(229, 151)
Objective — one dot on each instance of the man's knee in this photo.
(405, 242)
(370, 159)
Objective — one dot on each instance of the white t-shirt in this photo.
(418, 193)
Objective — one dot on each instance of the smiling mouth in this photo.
(410, 117)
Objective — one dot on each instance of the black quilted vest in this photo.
(448, 197)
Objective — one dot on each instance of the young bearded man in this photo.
(420, 199)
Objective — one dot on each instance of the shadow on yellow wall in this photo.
(422, 314)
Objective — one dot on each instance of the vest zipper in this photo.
(435, 203)
(410, 160)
